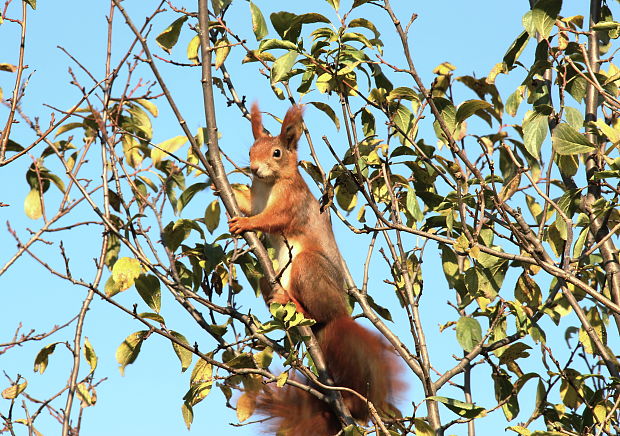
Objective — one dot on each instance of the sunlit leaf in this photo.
(212, 216)
(535, 128)
(40, 362)
(188, 194)
(129, 349)
(567, 141)
(32, 205)
(541, 18)
(184, 355)
(161, 150)
(246, 404)
(334, 4)
(89, 355)
(125, 271)
(222, 49)
(282, 66)
(461, 408)
(468, 333)
(148, 287)
(169, 37)
(328, 111)
(13, 391)
(470, 107)
(259, 25)
(188, 414)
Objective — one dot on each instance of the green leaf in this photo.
(32, 205)
(259, 25)
(328, 111)
(448, 113)
(90, 355)
(466, 410)
(132, 151)
(152, 316)
(574, 117)
(345, 199)
(129, 349)
(139, 123)
(514, 101)
(357, 3)
(422, 428)
(270, 44)
(535, 127)
(515, 49)
(201, 382)
(148, 105)
(111, 288)
(402, 92)
(264, 358)
(363, 22)
(169, 37)
(218, 5)
(67, 127)
(515, 351)
(125, 271)
(382, 311)
(611, 133)
(412, 205)
(169, 146)
(598, 326)
(188, 194)
(606, 25)
(541, 18)
(184, 355)
(286, 25)
(567, 141)
(40, 362)
(470, 107)
(212, 215)
(282, 66)
(405, 121)
(468, 333)
(148, 287)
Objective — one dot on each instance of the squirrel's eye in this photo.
(277, 153)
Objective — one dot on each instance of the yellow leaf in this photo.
(245, 406)
(32, 204)
(13, 391)
(125, 272)
(162, 149)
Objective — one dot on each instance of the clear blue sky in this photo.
(471, 35)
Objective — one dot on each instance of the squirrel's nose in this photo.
(254, 169)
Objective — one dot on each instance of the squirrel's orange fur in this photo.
(281, 205)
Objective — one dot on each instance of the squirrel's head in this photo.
(273, 157)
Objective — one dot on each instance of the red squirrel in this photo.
(281, 205)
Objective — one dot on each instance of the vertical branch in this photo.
(598, 227)
(18, 79)
(218, 175)
(66, 430)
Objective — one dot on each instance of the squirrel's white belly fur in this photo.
(285, 250)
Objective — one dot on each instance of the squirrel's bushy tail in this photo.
(357, 359)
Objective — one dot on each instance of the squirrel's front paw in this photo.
(238, 225)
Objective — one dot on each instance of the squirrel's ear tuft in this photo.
(257, 122)
(292, 126)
